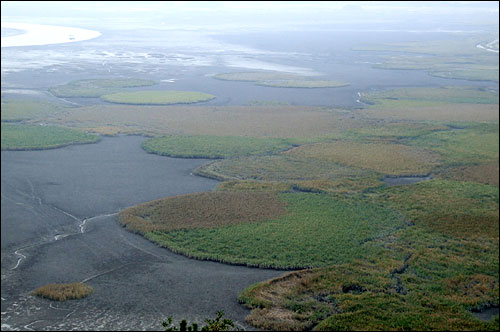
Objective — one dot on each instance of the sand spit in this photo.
(41, 34)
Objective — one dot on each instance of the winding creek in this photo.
(59, 224)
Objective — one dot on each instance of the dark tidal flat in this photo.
(59, 224)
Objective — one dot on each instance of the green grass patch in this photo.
(157, 97)
(279, 168)
(21, 109)
(33, 137)
(213, 146)
(392, 131)
(318, 230)
(476, 144)
(63, 292)
(94, 88)
(280, 80)
(460, 209)
(427, 276)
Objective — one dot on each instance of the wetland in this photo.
(324, 179)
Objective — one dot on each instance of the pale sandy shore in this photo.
(41, 34)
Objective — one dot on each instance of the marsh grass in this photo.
(63, 292)
(94, 88)
(202, 210)
(280, 80)
(470, 209)
(391, 159)
(424, 276)
(483, 173)
(253, 121)
(431, 96)
(317, 230)
(281, 167)
(33, 137)
(27, 109)
(157, 97)
(213, 146)
(471, 145)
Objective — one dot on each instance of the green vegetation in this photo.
(408, 257)
(22, 109)
(33, 137)
(317, 230)
(63, 292)
(217, 324)
(440, 104)
(95, 88)
(280, 80)
(429, 275)
(475, 144)
(157, 97)
(459, 59)
(283, 167)
(213, 146)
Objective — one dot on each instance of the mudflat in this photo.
(59, 224)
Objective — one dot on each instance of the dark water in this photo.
(486, 314)
(59, 225)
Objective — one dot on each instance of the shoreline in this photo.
(41, 34)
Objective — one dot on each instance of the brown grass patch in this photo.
(473, 290)
(451, 112)
(256, 121)
(202, 210)
(486, 173)
(393, 159)
(63, 292)
(465, 226)
(344, 185)
(276, 319)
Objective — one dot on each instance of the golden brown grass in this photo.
(486, 173)
(202, 210)
(255, 121)
(446, 112)
(393, 159)
(63, 292)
